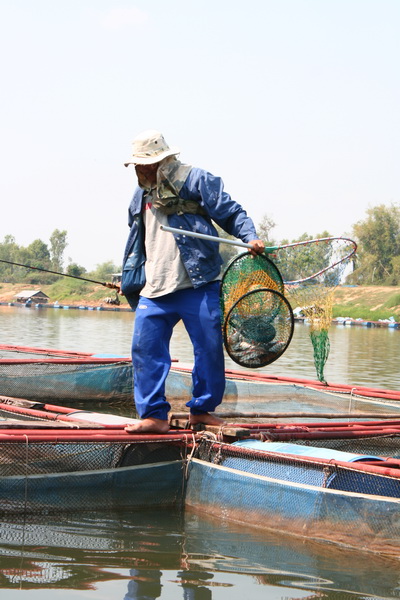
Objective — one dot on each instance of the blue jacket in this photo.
(200, 257)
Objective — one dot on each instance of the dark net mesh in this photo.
(383, 445)
(294, 469)
(56, 380)
(35, 458)
(258, 328)
(335, 500)
(51, 476)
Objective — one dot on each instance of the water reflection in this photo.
(358, 356)
(165, 554)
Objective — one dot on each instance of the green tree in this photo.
(58, 243)
(36, 255)
(396, 270)
(264, 229)
(378, 238)
(75, 270)
(8, 252)
(39, 254)
(300, 261)
(104, 271)
(8, 247)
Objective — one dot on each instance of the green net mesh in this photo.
(311, 271)
(321, 345)
(245, 273)
(258, 328)
(315, 300)
(55, 376)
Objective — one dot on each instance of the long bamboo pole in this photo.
(104, 283)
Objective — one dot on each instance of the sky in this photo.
(294, 103)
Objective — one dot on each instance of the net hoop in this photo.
(270, 267)
(274, 329)
(349, 247)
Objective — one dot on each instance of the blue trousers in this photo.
(155, 319)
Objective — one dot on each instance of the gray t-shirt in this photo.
(165, 271)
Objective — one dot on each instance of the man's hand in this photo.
(114, 286)
(257, 247)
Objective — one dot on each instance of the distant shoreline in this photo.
(343, 321)
(83, 306)
(352, 305)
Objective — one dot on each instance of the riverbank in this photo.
(351, 303)
(84, 295)
(371, 303)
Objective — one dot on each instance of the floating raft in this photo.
(324, 480)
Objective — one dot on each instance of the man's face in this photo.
(148, 172)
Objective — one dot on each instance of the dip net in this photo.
(257, 318)
(258, 294)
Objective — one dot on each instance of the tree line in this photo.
(50, 257)
(377, 261)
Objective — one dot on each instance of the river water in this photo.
(150, 555)
(358, 356)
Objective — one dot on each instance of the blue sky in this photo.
(294, 103)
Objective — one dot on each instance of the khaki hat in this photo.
(150, 147)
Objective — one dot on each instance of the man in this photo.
(168, 277)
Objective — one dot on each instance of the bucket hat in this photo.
(150, 147)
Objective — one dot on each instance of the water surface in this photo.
(150, 555)
(358, 355)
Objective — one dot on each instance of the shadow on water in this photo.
(164, 554)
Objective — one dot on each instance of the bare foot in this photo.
(149, 425)
(205, 419)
